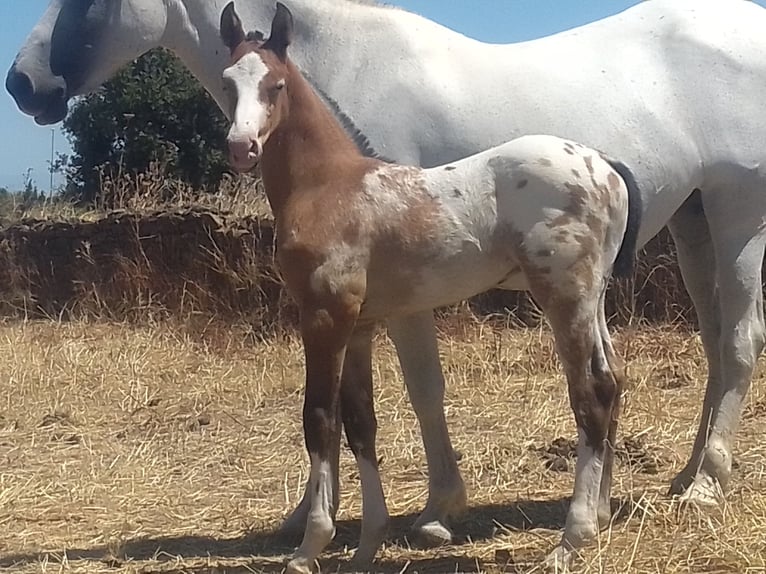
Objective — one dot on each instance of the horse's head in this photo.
(76, 46)
(256, 84)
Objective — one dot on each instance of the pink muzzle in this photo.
(244, 153)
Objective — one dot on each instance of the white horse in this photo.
(672, 87)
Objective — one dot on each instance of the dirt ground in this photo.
(144, 450)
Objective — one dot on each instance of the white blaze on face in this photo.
(249, 115)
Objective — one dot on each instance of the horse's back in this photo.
(672, 88)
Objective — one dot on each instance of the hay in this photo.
(142, 449)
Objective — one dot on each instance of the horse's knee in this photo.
(594, 404)
(740, 352)
(359, 422)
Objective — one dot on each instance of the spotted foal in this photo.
(360, 241)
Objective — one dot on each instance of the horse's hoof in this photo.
(558, 561)
(604, 519)
(432, 534)
(680, 484)
(360, 564)
(299, 566)
(704, 492)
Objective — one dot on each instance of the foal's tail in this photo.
(626, 256)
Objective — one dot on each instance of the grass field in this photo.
(141, 449)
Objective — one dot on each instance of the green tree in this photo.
(152, 111)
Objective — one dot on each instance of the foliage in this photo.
(14, 202)
(152, 113)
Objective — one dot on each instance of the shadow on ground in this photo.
(265, 551)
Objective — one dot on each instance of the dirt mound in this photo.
(203, 262)
(193, 261)
(560, 455)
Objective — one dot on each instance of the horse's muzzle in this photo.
(244, 153)
(46, 103)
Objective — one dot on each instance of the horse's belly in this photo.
(403, 289)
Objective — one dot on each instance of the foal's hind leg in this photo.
(358, 413)
(415, 340)
(736, 225)
(593, 395)
(616, 368)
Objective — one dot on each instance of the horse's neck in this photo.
(324, 31)
(308, 149)
(193, 34)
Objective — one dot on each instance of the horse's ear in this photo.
(232, 32)
(281, 31)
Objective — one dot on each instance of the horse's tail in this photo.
(626, 256)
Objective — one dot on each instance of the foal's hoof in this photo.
(295, 524)
(300, 566)
(369, 544)
(432, 534)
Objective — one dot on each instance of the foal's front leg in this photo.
(325, 330)
(357, 407)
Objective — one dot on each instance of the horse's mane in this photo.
(362, 141)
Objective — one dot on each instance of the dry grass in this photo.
(141, 449)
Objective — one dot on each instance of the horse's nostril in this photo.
(19, 85)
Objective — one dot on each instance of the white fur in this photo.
(374, 511)
(320, 527)
(241, 82)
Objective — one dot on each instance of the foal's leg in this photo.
(696, 258)
(593, 391)
(358, 411)
(358, 417)
(616, 367)
(325, 330)
(736, 224)
(415, 340)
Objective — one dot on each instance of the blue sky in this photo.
(26, 145)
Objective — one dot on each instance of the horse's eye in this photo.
(280, 84)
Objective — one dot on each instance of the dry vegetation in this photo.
(139, 449)
(150, 399)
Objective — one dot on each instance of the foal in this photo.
(360, 240)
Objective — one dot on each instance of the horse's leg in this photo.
(617, 368)
(593, 391)
(325, 331)
(358, 413)
(415, 340)
(735, 217)
(696, 258)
